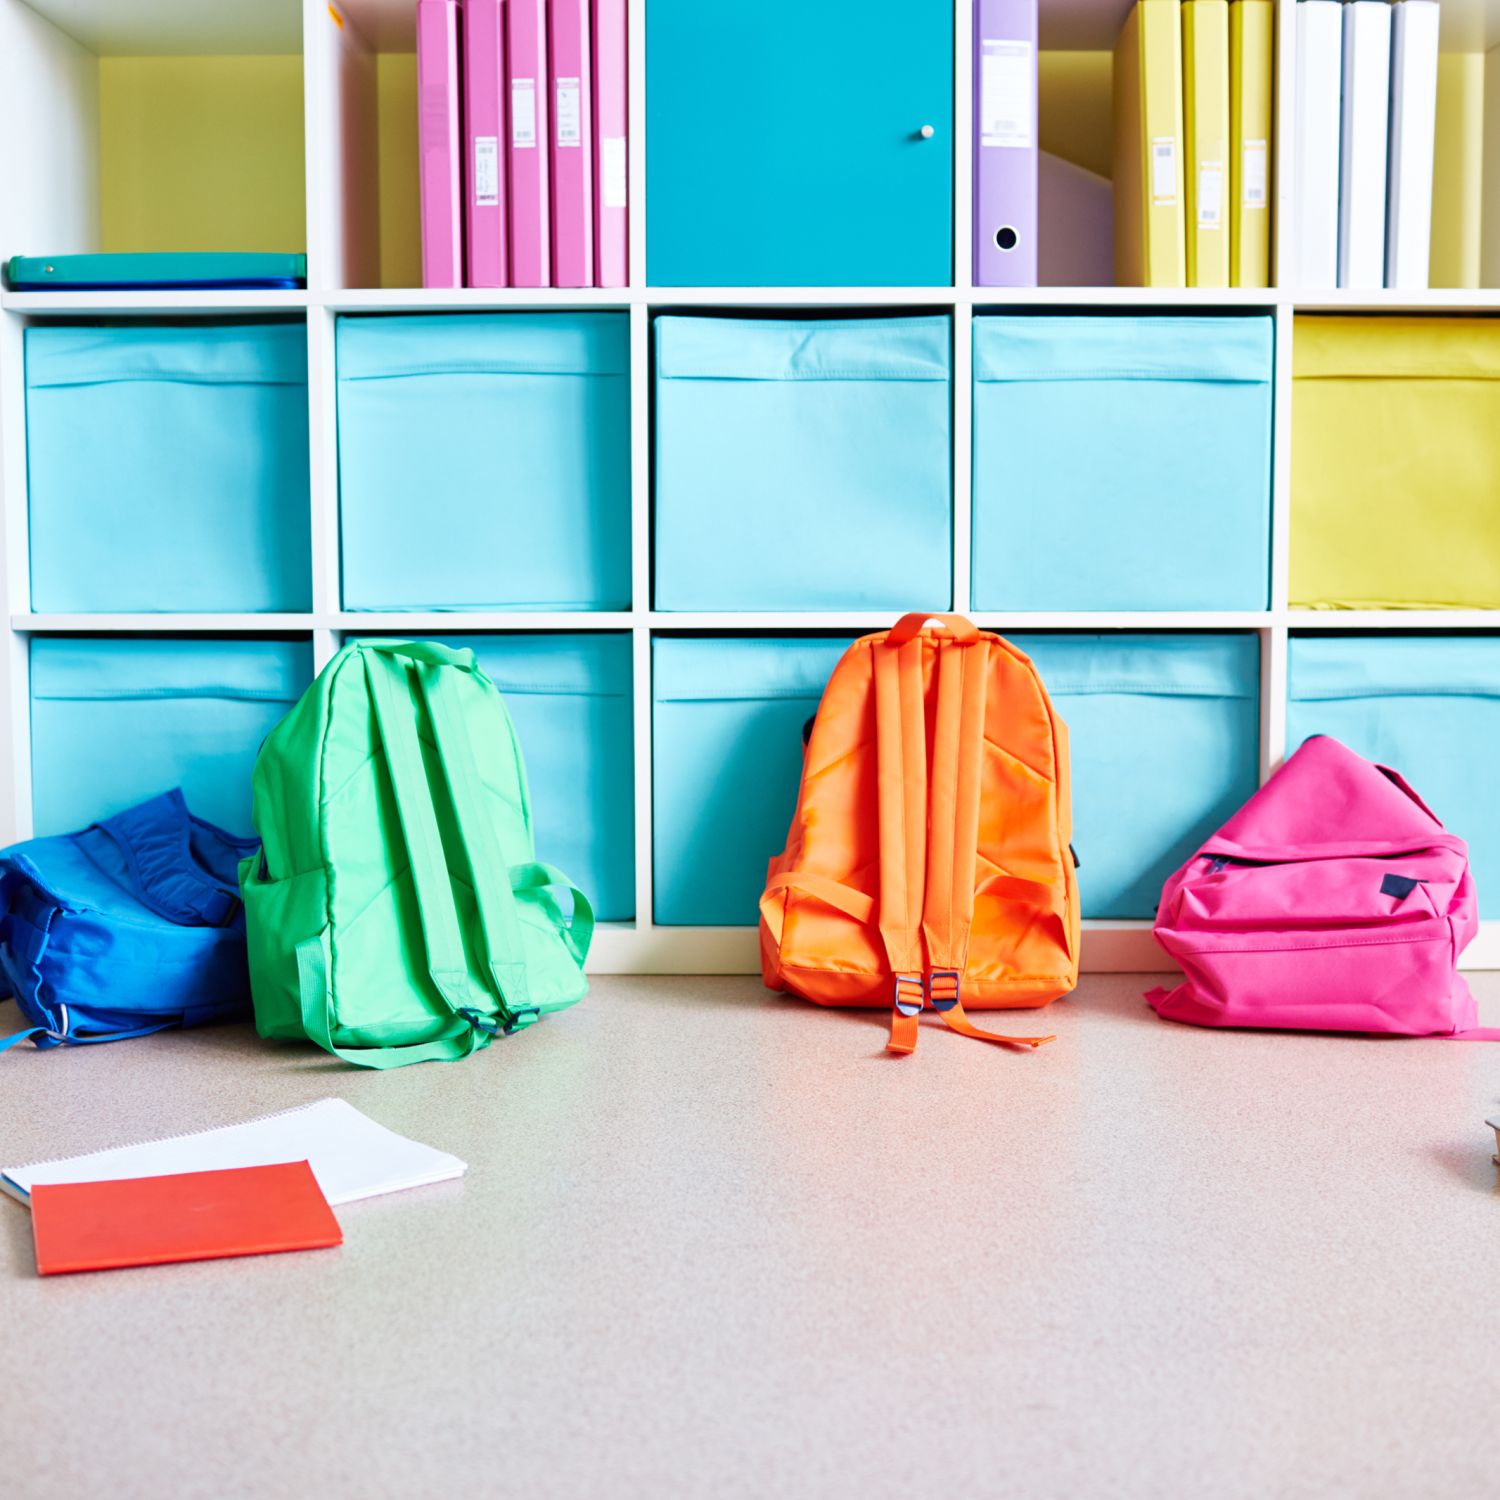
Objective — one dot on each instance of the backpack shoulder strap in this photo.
(953, 841)
(901, 780)
(488, 870)
(154, 839)
(447, 963)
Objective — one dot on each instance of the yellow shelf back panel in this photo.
(201, 153)
(1074, 108)
(1457, 170)
(400, 211)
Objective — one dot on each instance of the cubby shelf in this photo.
(49, 52)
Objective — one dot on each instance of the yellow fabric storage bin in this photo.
(1396, 463)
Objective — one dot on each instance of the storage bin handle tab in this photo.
(909, 626)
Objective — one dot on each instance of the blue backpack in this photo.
(129, 927)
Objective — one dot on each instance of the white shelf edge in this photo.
(1109, 947)
(1435, 299)
(461, 622)
(421, 299)
(72, 304)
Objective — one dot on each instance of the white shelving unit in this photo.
(48, 94)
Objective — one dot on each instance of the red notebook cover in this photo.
(148, 1221)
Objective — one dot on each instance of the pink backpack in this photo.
(1333, 900)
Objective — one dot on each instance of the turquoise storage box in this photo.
(1428, 706)
(727, 731)
(114, 722)
(484, 461)
(569, 699)
(1122, 463)
(803, 465)
(167, 467)
(1164, 731)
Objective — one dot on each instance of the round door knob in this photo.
(927, 132)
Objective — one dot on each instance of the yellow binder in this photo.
(1205, 119)
(1251, 26)
(1150, 245)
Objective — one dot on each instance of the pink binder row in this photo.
(521, 131)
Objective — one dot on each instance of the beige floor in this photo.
(714, 1244)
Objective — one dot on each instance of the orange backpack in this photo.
(928, 861)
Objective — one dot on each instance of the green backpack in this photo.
(396, 912)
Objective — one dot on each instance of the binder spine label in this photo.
(1253, 174)
(569, 112)
(612, 170)
(1211, 195)
(1164, 171)
(486, 171)
(1006, 105)
(523, 112)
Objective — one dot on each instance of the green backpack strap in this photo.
(312, 975)
(535, 876)
(447, 963)
(498, 920)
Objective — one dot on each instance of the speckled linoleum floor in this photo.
(713, 1243)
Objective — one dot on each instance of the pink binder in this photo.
(484, 129)
(572, 145)
(439, 144)
(611, 227)
(1005, 143)
(526, 70)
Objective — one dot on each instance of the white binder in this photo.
(1414, 69)
(1363, 139)
(1316, 167)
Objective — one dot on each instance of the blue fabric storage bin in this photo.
(1122, 463)
(803, 465)
(114, 722)
(484, 461)
(168, 467)
(1427, 706)
(1164, 734)
(727, 758)
(569, 698)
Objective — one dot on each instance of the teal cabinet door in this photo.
(799, 143)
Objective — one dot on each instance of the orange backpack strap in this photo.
(823, 888)
(901, 778)
(953, 839)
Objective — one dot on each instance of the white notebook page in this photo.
(351, 1156)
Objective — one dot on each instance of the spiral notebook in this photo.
(351, 1156)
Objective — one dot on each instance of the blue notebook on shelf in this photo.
(209, 270)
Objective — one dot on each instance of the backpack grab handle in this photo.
(909, 626)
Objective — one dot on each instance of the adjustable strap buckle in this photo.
(502, 1026)
(909, 997)
(942, 989)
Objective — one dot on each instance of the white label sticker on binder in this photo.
(523, 112)
(612, 170)
(486, 171)
(569, 112)
(1211, 195)
(1007, 94)
(1253, 174)
(1164, 171)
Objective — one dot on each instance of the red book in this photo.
(148, 1221)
